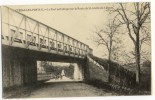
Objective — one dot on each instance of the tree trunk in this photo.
(109, 61)
(137, 56)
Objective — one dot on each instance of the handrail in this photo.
(45, 25)
(84, 48)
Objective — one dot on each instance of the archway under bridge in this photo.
(20, 65)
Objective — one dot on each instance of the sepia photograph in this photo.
(76, 50)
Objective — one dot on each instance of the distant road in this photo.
(64, 79)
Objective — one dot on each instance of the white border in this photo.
(28, 2)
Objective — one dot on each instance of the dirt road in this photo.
(59, 89)
(70, 89)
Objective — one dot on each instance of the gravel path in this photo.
(58, 89)
(68, 89)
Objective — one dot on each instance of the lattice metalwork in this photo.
(22, 31)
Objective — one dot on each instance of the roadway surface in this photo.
(68, 89)
(60, 88)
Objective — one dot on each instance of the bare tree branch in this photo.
(127, 23)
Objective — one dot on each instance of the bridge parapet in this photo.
(19, 30)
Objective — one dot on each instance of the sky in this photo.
(75, 20)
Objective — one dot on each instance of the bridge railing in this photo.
(22, 31)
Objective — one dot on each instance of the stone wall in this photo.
(17, 70)
(117, 75)
(96, 72)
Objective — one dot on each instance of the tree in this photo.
(135, 21)
(108, 37)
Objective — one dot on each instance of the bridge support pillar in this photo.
(17, 69)
(82, 70)
(95, 72)
(78, 72)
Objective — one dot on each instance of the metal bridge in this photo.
(26, 40)
(19, 30)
